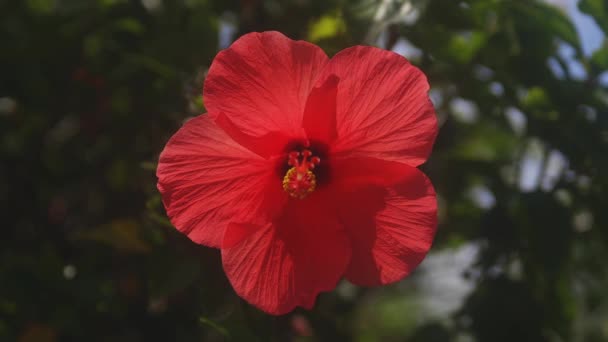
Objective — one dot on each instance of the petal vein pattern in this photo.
(262, 81)
(286, 263)
(207, 180)
(392, 232)
(383, 109)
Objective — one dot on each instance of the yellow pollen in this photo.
(299, 180)
(298, 184)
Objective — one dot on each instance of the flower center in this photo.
(299, 180)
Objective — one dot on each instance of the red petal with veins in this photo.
(207, 180)
(351, 173)
(266, 146)
(391, 227)
(320, 112)
(262, 81)
(287, 262)
(383, 109)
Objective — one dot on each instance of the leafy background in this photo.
(91, 90)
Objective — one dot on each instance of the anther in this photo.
(300, 181)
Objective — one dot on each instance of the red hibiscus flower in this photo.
(303, 171)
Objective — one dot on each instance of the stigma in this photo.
(299, 180)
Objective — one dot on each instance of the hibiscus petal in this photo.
(262, 81)
(286, 263)
(267, 145)
(391, 228)
(383, 109)
(207, 180)
(351, 173)
(319, 120)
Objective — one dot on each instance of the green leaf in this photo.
(463, 47)
(599, 60)
(130, 25)
(598, 9)
(215, 326)
(551, 20)
(536, 98)
(121, 234)
(109, 3)
(327, 26)
(41, 6)
(148, 166)
(486, 143)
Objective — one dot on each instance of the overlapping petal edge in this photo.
(373, 219)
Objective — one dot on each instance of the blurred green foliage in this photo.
(91, 90)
